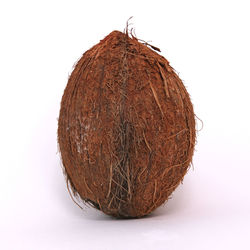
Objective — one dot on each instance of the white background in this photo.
(207, 42)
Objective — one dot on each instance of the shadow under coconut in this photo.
(176, 203)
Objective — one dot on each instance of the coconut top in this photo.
(132, 46)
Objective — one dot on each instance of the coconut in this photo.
(126, 129)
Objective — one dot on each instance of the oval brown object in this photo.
(126, 129)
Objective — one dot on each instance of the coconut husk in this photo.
(126, 129)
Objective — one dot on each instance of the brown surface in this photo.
(126, 129)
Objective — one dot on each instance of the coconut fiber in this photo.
(126, 129)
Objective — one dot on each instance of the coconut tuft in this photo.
(126, 129)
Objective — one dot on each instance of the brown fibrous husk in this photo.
(126, 128)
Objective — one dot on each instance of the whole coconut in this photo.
(126, 129)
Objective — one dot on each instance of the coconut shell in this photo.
(126, 129)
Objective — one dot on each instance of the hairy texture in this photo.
(126, 129)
